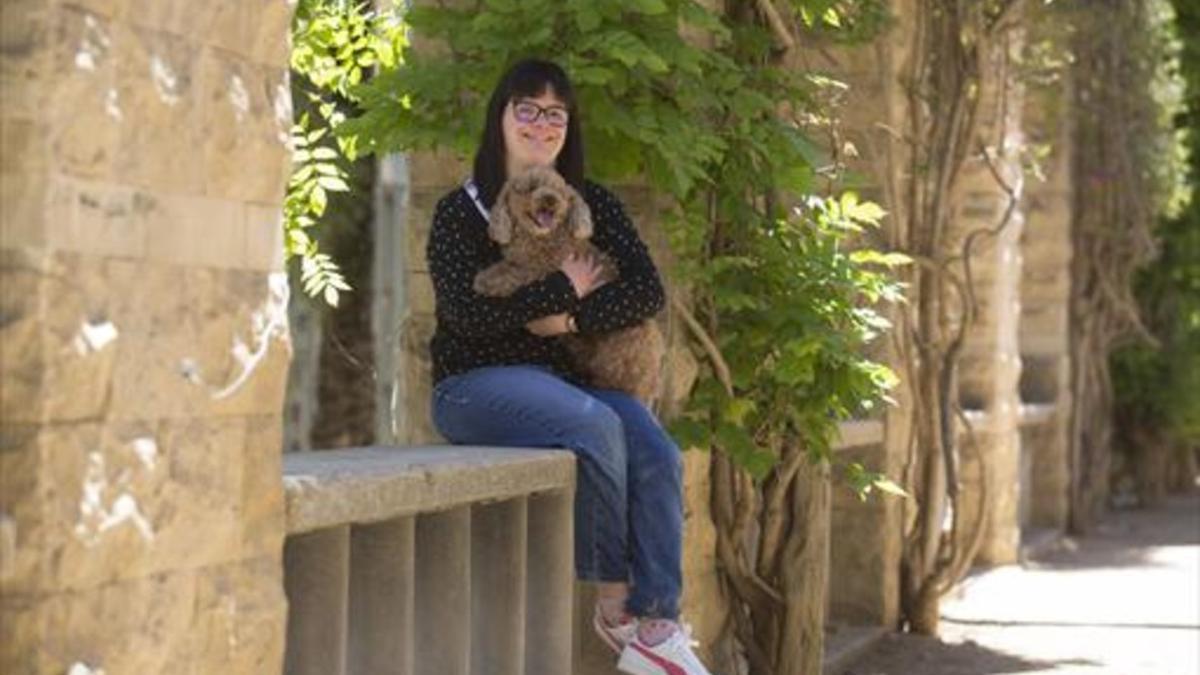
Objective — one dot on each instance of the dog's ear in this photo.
(579, 216)
(500, 227)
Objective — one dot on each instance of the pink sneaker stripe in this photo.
(667, 666)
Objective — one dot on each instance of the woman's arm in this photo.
(637, 294)
(456, 254)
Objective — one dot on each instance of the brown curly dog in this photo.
(539, 220)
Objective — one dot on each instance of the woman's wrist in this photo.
(571, 326)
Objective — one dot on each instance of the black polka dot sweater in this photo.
(475, 330)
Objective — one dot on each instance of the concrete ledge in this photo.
(362, 485)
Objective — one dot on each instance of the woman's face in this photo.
(535, 130)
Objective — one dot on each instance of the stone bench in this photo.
(429, 561)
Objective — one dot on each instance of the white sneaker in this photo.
(673, 656)
(616, 637)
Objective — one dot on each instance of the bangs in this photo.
(534, 78)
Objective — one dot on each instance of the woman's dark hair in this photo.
(526, 79)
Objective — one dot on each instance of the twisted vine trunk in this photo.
(1114, 129)
(773, 546)
(957, 64)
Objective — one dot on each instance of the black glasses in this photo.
(528, 112)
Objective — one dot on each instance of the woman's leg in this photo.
(530, 407)
(655, 508)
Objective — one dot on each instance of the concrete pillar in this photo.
(498, 577)
(443, 593)
(550, 576)
(1046, 283)
(382, 567)
(317, 583)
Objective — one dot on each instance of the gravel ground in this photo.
(1124, 600)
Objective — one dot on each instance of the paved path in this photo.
(1124, 600)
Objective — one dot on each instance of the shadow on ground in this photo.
(918, 655)
(1129, 537)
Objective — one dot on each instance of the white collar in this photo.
(473, 193)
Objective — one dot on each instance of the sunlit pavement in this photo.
(1124, 600)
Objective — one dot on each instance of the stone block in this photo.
(264, 237)
(22, 512)
(109, 9)
(261, 515)
(85, 134)
(271, 23)
(23, 146)
(95, 218)
(214, 341)
(419, 286)
(22, 360)
(238, 620)
(62, 350)
(137, 626)
(178, 17)
(417, 222)
(193, 230)
(23, 218)
(25, 55)
(231, 26)
(437, 171)
(243, 155)
(158, 94)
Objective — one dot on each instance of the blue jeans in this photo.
(629, 486)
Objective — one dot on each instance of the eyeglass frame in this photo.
(541, 113)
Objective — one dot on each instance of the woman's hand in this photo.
(583, 271)
(549, 326)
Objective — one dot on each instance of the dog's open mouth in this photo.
(543, 220)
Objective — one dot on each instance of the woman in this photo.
(502, 376)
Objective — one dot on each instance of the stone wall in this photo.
(143, 344)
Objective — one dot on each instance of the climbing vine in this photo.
(335, 44)
(958, 64)
(1117, 145)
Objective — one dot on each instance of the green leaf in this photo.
(333, 183)
(872, 257)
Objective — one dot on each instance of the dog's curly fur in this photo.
(539, 221)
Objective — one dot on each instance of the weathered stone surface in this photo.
(25, 143)
(437, 171)
(25, 36)
(96, 218)
(185, 19)
(23, 218)
(264, 237)
(85, 134)
(360, 485)
(261, 512)
(22, 359)
(237, 625)
(22, 508)
(241, 135)
(158, 95)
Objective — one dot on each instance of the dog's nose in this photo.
(547, 201)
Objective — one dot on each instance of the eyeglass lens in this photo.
(527, 112)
